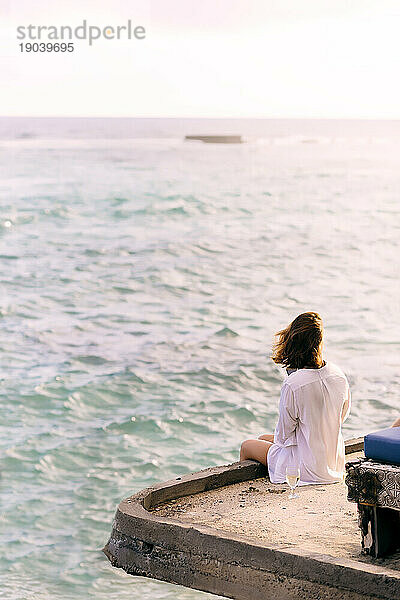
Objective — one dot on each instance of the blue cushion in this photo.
(383, 445)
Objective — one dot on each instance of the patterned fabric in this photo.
(373, 483)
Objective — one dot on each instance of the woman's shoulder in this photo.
(302, 377)
(333, 366)
(334, 369)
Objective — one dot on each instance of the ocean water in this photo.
(142, 280)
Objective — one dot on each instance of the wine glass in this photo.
(293, 478)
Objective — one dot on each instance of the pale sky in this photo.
(209, 58)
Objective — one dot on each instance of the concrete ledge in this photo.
(229, 564)
(216, 139)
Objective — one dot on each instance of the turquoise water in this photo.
(142, 279)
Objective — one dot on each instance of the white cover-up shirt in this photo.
(313, 405)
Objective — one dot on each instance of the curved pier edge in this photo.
(229, 564)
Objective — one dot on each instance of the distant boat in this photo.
(216, 139)
(25, 135)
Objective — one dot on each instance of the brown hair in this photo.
(299, 345)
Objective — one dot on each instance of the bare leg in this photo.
(268, 437)
(396, 423)
(255, 450)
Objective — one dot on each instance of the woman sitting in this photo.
(315, 400)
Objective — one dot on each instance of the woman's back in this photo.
(315, 400)
(313, 405)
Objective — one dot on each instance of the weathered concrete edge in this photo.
(354, 445)
(204, 558)
(136, 533)
(212, 478)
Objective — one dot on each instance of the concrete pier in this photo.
(227, 530)
(216, 139)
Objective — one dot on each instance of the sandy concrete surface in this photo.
(227, 530)
(321, 520)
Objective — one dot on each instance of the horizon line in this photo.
(201, 117)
